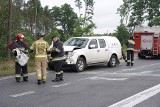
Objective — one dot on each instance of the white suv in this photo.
(81, 52)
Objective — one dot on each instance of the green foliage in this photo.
(8, 67)
(85, 25)
(139, 11)
(122, 34)
(29, 18)
(49, 36)
(65, 18)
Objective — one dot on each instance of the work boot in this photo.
(25, 79)
(61, 77)
(18, 79)
(44, 82)
(57, 79)
(128, 64)
(39, 82)
(132, 64)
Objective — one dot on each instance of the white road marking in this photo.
(147, 72)
(4, 78)
(22, 94)
(138, 98)
(103, 78)
(30, 74)
(128, 69)
(61, 85)
(90, 72)
(129, 74)
(139, 67)
(120, 71)
(9, 77)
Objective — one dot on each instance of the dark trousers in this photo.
(58, 66)
(130, 56)
(21, 70)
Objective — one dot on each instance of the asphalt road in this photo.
(98, 86)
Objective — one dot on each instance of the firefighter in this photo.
(130, 52)
(23, 47)
(41, 49)
(57, 55)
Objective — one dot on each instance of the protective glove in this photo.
(15, 53)
(31, 51)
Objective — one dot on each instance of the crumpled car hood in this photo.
(70, 48)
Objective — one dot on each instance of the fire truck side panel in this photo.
(159, 44)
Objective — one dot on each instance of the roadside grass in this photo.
(7, 68)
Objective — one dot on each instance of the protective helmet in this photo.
(40, 34)
(19, 36)
(132, 37)
(53, 36)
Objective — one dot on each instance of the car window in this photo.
(102, 43)
(94, 42)
(80, 42)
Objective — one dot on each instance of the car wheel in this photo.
(141, 56)
(80, 65)
(113, 61)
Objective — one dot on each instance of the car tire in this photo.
(80, 65)
(141, 56)
(113, 61)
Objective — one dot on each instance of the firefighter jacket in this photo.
(40, 47)
(130, 44)
(57, 52)
(22, 46)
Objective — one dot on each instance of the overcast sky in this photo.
(105, 16)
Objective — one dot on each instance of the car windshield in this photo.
(80, 42)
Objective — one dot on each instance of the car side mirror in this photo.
(92, 46)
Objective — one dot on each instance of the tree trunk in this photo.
(9, 27)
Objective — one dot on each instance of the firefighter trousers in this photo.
(41, 66)
(58, 69)
(130, 57)
(21, 71)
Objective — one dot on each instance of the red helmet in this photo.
(19, 36)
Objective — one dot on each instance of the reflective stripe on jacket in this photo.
(58, 58)
(130, 45)
(40, 47)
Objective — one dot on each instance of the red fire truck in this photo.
(147, 41)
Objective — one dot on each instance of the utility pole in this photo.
(9, 26)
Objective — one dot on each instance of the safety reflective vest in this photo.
(40, 47)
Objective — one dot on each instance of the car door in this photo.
(103, 50)
(92, 51)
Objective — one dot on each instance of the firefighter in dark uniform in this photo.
(57, 57)
(130, 52)
(23, 47)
